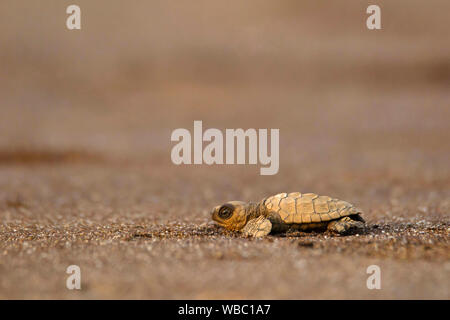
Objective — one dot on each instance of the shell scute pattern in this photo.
(335, 215)
(287, 209)
(321, 205)
(305, 206)
(308, 207)
(295, 194)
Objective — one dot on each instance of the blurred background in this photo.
(135, 72)
(86, 117)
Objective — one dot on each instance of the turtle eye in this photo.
(225, 211)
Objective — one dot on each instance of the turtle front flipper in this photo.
(258, 227)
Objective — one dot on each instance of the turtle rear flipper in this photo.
(345, 225)
(258, 227)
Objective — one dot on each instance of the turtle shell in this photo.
(299, 208)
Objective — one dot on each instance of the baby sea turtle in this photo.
(288, 212)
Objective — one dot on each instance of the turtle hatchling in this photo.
(289, 212)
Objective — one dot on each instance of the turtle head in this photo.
(231, 215)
